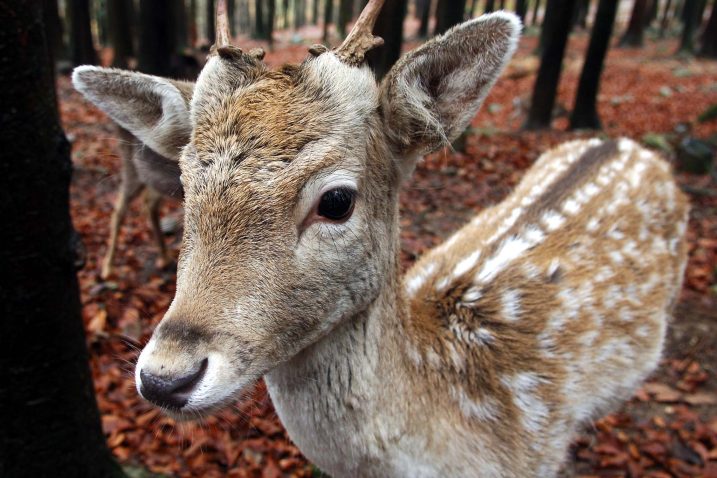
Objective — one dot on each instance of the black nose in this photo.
(168, 391)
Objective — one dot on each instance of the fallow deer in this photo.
(484, 359)
(142, 170)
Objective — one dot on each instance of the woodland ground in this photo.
(669, 429)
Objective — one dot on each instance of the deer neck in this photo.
(331, 392)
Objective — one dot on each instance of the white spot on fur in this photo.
(482, 410)
(510, 302)
(466, 264)
(534, 411)
(552, 220)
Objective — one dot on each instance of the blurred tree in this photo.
(635, 33)
(423, 11)
(82, 48)
(270, 18)
(328, 15)
(536, 11)
(558, 16)
(580, 14)
(119, 16)
(448, 13)
(709, 36)
(210, 13)
(345, 16)
(585, 113)
(259, 29)
(665, 22)
(156, 37)
(489, 6)
(244, 16)
(521, 8)
(389, 26)
(50, 422)
(285, 13)
(689, 14)
(299, 13)
(55, 41)
(231, 13)
(315, 12)
(192, 23)
(502, 5)
(181, 28)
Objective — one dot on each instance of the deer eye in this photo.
(337, 204)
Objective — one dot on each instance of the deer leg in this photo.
(153, 201)
(130, 187)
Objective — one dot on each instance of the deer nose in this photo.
(168, 391)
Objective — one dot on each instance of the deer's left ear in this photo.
(431, 94)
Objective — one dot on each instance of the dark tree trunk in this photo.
(82, 49)
(689, 14)
(259, 30)
(192, 21)
(299, 13)
(558, 16)
(423, 8)
(709, 36)
(521, 8)
(53, 25)
(315, 12)
(580, 14)
(180, 26)
(210, 13)
(328, 14)
(50, 422)
(489, 6)
(502, 5)
(285, 8)
(448, 13)
(156, 37)
(120, 30)
(270, 15)
(536, 12)
(345, 16)
(389, 26)
(665, 22)
(634, 36)
(585, 113)
(244, 16)
(652, 12)
(231, 13)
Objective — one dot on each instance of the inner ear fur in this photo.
(154, 109)
(432, 93)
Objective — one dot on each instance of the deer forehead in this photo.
(244, 110)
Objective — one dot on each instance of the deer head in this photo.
(291, 180)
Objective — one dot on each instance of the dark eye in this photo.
(337, 204)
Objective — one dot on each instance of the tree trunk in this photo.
(689, 14)
(536, 11)
(580, 14)
(315, 12)
(665, 22)
(489, 6)
(82, 49)
(328, 14)
(634, 36)
(448, 13)
(192, 24)
(652, 12)
(423, 8)
(585, 113)
(53, 25)
(181, 35)
(231, 13)
(521, 8)
(299, 13)
(558, 16)
(389, 26)
(244, 16)
(50, 422)
(270, 14)
(210, 13)
(120, 31)
(709, 36)
(156, 37)
(259, 30)
(345, 16)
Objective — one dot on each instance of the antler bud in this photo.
(360, 40)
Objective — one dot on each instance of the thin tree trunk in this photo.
(634, 36)
(580, 14)
(328, 14)
(193, 32)
(585, 113)
(559, 14)
(389, 26)
(345, 16)
(709, 36)
(231, 11)
(423, 8)
(536, 11)
(665, 22)
(209, 13)
(50, 422)
(156, 37)
(270, 15)
(120, 31)
(489, 6)
(259, 30)
(521, 8)
(53, 24)
(315, 12)
(502, 5)
(180, 26)
(448, 13)
(689, 14)
(299, 13)
(82, 49)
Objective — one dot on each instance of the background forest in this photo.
(646, 69)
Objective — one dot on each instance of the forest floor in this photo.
(669, 429)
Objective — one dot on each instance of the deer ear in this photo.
(431, 94)
(154, 109)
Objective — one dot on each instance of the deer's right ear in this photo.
(154, 109)
(431, 94)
